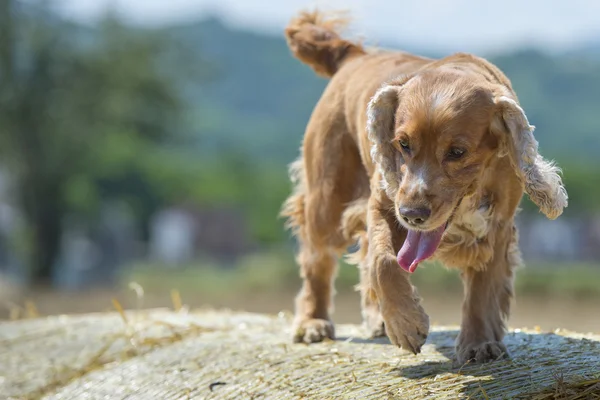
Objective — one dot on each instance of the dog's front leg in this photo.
(406, 323)
(486, 305)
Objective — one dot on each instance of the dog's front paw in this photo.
(406, 325)
(313, 330)
(480, 352)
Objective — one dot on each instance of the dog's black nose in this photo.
(415, 216)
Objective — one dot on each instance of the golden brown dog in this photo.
(416, 159)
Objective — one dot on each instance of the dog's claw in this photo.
(481, 353)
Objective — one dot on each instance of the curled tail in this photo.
(313, 38)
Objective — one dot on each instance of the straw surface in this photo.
(158, 354)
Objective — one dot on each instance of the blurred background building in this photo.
(140, 135)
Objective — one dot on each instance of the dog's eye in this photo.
(404, 144)
(455, 153)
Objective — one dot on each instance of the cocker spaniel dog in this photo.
(415, 159)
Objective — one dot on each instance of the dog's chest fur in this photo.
(468, 241)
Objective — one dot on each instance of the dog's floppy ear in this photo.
(541, 177)
(381, 115)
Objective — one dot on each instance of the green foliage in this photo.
(233, 179)
(560, 96)
(209, 115)
(80, 123)
(261, 97)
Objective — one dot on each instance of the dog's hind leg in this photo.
(354, 223)
(371, 314)
(327, 178)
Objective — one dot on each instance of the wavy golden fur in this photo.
(402, 145)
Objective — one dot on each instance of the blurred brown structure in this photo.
(181, 234)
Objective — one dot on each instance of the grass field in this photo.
(549, 296)
(277, 271)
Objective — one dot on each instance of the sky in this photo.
(439, 25)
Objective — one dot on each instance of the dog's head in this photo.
(433, 135)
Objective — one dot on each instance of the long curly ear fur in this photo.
(380, 128)
(541, 177)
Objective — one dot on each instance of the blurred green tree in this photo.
(85, 114)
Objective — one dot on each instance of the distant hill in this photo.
(589, 49)
(263, 97)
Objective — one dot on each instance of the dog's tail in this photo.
(314, 39)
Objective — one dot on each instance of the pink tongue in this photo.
(419, 246)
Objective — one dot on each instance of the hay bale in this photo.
(158, 354)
